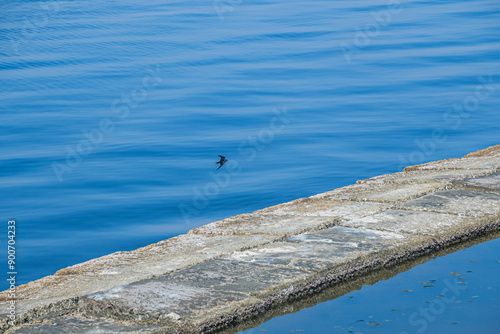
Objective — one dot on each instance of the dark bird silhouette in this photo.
(222, 161)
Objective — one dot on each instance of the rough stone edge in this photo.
(487, 152)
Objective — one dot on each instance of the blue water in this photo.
(113, 112)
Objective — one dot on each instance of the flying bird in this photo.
(222, 161)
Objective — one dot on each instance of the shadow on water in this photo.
(345, 288)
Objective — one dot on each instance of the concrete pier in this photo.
(243, 267)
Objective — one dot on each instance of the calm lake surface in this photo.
(112, 113)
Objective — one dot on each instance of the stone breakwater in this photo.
(243, 267)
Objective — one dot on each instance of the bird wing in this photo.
(223, 157)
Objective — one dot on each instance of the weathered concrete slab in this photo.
(473, 163)
(355, 237)
(159, 296)
(201, 286)
(460, 202)
(321, 249)
(326, 207)
(484, 159)
(406, 221)
(442, 176)
(240, 267)
(230, 275)
(489, 183)
(272, 227)
(383, 192)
